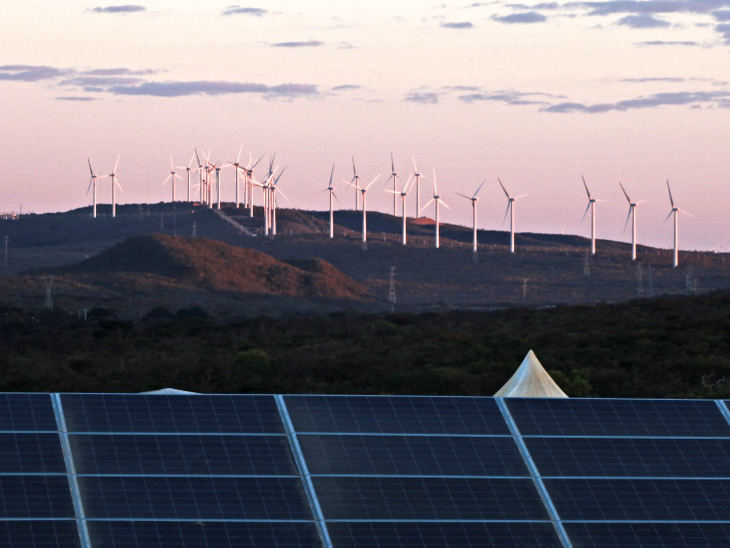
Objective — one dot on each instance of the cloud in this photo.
(721, 15)
(346, 87)
(509, 97)
(118, 9)
(522, 17)
(724, 31)
(85, 81)
(79, 99)
(642, 21)
(239, 10)
(668, 43)
(680, 98)
(307, 44)
(425, 98)
(202, 87)
(118, 72)
(30, 73)
(612, 7)
(457, 25)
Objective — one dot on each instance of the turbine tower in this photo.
(511, 212)
(417, 175)
(250, 181)
(394, 176)
(273, 188)
(473, 198)
(403, 193)
(675, 211)
(592, 207)
(200, 174)
(171, 177)
(632, 216)
(436, 200)
(237, 166)
(92, 187)
(187, 171)
(364, 191)
(115, 183)
(331, 190)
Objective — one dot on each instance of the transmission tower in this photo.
(391, 289)
(48, 303)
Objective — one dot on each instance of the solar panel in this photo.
(443, 535)
(174, 414)
(27, 412)
(396, 415)
(39, 534)
(599, 417)
(412, 455)
(676, 535)
(31, 453)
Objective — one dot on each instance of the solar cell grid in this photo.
(640, 499)
(35, 497)
(605, 417)
(411, 455)
(39, 534)
(442, 535)
(197, 498)
(393, 498)
(631, 457)
(182, 455)
(396, 415)
(175, 414)
(31, 453)
(676, 535)
(27, 412)
(151, 534)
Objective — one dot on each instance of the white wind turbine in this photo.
(632, 216)
(355, 179)
(200, 174)
(115, 184)
(273, 189)
(473, 198)
(417, 175)
(394, 176)
(249, 183)
(171, 177)
(92, 187)
(511, 212)
(675, 211)
(364, 191)
(436, 200)
(237, 166)
(403, 193)
(331, 190)
(592, 207)
(187, 169)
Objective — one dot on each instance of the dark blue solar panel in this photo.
(442, 535)
(171, 414)
(396, 415)
(39, 534)
(631, 457)
(198, 498)
(182, 455)
(640, 499)
(411, 455)
(674, 535)
(20, 412)
(203, 534)
(31, 453)
(596, 417)
(35, 497)
(394, 498)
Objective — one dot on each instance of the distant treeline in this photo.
(673, 347)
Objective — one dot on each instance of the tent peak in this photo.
(530, 381)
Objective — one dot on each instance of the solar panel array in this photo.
(209, 471)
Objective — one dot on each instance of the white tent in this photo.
(530, 381)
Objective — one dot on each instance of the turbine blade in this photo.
(371, 182)
(172, 165)
(116, 182)
(89, 188)
(280, 174)
(463, 195)
(585, 185)
(415, 169)
(444, 204)
(238, 156)
(336, 198)
(686, 213)
(631, 209)
(667, 217)
(671, 200)
(332, 173)
(625, 193)
(197, 158)
(478, 189)
(91, 170)
(392, 164)
(588, 207)
(506, 211)
(408, 182)
(425, 205)
(504, 189)
(167, 179)
(435, 189)
(354, 170)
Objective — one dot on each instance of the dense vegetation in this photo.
(663, 347)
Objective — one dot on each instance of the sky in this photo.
(537, 94)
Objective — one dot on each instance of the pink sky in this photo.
(536, 94)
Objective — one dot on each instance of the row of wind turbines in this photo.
(208, 183)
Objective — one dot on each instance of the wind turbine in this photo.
(364, 191)
(632, 216)
(403, 193)
(200, 173)
(473, 199)
(511, 211)
(592, 207)
(273, 189)
(236, 165)
(249, 183)
(171, 178)
(331, 190)
(436, 200)
(417, 175)
(92, 187)
(675, 211)
(394, 176)
(355, 179)
(115, 183)
(187, 170)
